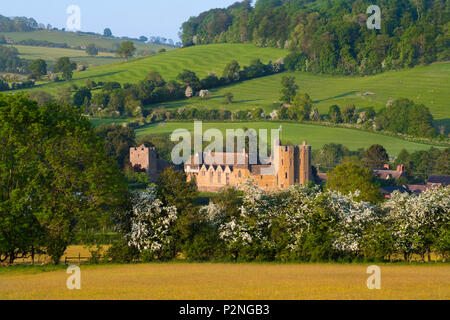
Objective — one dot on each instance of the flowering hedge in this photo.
(305, 223)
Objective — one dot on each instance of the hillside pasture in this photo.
(296, 133)
(423, 84)
(50, 55)
(200, 59)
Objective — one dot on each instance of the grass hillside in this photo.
(75, 39)
(200, 59)
(423, 84)
(50, 55)
(296, 133)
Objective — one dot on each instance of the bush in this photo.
(204, 246)
(120, 252)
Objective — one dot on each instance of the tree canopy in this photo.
(55, 178)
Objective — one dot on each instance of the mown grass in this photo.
(296, 133)
(232, 281)
(423, 84)
(200, 59)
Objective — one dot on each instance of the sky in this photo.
(131, 18)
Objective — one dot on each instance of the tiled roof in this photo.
(439, 179)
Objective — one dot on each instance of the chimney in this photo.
(386, 166)
(401, 168)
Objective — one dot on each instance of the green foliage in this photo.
(231, 71)
(107, 32)
(161, 142)
(10, 61)
(289, 89)
(55, 178)
(126, 50)
(4, 86)
(65, 66)
(173, 190)
(332, 37)
(38, 68)
(17, 24)
(330, 155)
(91, 49)
(188, 78)
(82, 97)
(375, 157)
(301, 107)
(229, 97)
(121, 252)
(41, 97)
(117, 140)
(335, 114)
(405, 116)
(349, 177)
(419, 165)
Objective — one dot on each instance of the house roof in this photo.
(387, 174)
(416, 188)
(444, 180)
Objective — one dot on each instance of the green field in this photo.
(296, 133)
(76, 39)
(423, 84)
(50, 55)
(200, 59)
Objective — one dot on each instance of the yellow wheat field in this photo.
(231, 281)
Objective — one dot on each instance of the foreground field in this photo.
(423, 84)
(295, 133)
(231, 281)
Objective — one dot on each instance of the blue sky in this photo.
(125, 18)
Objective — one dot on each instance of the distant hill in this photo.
(200, 59)
(76, 39)
(331, 36)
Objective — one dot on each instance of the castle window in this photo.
(285, 175)
(211, 177)
(282, 161)
(227, 178)
(261, 177)
(219, 177)
(239, 173)
(203, 173)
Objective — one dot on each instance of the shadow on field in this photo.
(336, 97)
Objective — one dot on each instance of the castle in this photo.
(213, 171)
(146, 159)
(288, 166)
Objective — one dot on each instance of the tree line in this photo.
(331, 37)
(303, 223)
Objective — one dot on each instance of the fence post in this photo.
(79, 257)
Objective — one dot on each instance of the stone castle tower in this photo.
(293, 165)
(145, 158)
